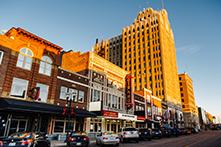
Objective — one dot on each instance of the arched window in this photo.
(25, 58)
(45, 65)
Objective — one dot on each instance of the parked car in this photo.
(26, 139)
(145, 133)
(166, 132)
(77, 139)
(175, 131)
(183, 131)
(129, 134)
(156, 133)
(107, 138)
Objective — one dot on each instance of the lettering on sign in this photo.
(98, 78)
(129, 92)
(110, 114)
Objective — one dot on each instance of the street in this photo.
(203, 139)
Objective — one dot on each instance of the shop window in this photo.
(81, 96)
(1, 56)
(25, 59)
(19, 88)
(62, 126)
(45, 66)
(43, 92)
(58, 127)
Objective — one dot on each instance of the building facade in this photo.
(109, 97)
(190, 111)
(148, 52)
(27, 62)
(110, 49)
(32, 87)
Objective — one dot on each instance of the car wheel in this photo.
(117, 144)
(137, 140)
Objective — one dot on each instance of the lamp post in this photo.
(69, 98)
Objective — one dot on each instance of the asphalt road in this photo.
(202, 139)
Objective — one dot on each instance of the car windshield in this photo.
(21, 135)
(130, 129)
(143, 129)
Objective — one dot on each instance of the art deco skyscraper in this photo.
(148, 52)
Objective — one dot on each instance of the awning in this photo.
(9, 104)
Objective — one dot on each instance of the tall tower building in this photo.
(148, 52)
(189, 107)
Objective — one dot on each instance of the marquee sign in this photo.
(129, 92)
(110, 114)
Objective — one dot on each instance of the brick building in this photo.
(29, 84)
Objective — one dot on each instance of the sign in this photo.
(129, 92)
(127, 116)
(110, 114)
(140, 118)
(98, 78)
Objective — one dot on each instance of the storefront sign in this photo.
(110, 114)
(127, 116)
(140, 118)
(98, 78)
(129, 92)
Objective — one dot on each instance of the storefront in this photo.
(111, 121)
(19, 115)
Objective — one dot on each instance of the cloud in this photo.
(189, 50)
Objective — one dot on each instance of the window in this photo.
(19, 88)
(96, 95)
(73, 94)
(63, 92)
(1, 56)
(81, 96)
(25, 58)
(45, 66)
(43, 92)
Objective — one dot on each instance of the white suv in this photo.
(128, 134)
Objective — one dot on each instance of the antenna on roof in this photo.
(162, 3)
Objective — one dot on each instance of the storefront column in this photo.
(103, 124)
(88, 124)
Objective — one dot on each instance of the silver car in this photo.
(107, 138)
(129, 134)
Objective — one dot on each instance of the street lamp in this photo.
(70, 96)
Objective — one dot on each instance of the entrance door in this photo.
(114, 127)
(17, 125)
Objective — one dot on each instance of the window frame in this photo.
(47, 87)
(43, 65)
(25, 56)
(1, 56)
(26, 87)
(82, 92)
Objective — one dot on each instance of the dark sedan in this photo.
(166, 132)
(25, 139)
(77, 140)
(156, 133)
(145, 133)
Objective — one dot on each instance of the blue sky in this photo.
(75, 24)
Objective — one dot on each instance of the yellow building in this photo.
(148, 52)
(189, 107)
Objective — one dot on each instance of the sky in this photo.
(75, 25)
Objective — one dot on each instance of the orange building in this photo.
(189, 107)
(28, 68)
